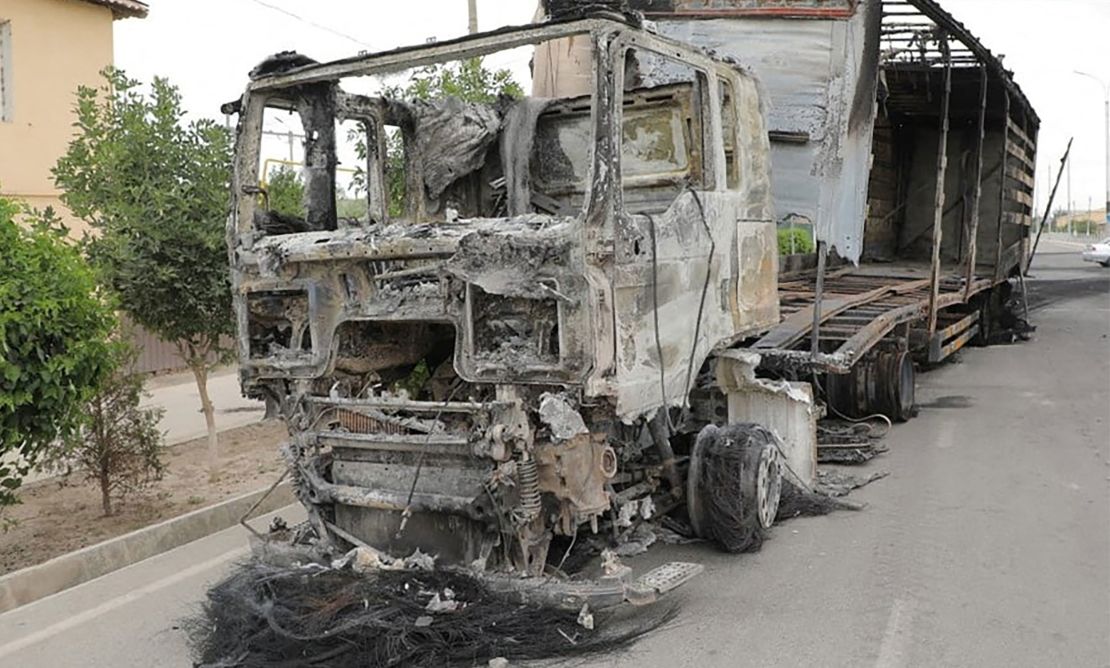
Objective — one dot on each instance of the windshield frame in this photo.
(280, 90)
(602, 197)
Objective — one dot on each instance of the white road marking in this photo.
(107, 606)
(896, 639)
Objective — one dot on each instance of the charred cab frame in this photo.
(569, 333)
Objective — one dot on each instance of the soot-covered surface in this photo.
(264, 616)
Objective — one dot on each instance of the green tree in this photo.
(285, 191)
(53, 341)
(118, 444)
(156, 191)
(468, 80)
(794, 241)
(285, 195)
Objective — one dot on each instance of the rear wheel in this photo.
(982, 338)
(903, 386)
(734, 485)
(883, 383)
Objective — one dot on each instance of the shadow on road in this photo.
(1043, 292)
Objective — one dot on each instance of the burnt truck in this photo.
(558, 317)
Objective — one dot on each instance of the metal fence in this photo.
(156, 355)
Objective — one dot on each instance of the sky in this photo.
(206, 48)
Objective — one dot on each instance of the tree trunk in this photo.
(200, 372)
(104, 459)
(105, 496)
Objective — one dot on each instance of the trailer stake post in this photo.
(942, 167)
(1002, 188)
(977, 195)
(822, 261)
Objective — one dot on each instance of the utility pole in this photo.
(473, 7)
(1106, 96)
(1068, 207)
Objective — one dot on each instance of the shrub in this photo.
(117, 445)
(795, 241)
(286, 191)
(53, 341)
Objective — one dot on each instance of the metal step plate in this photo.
(667, 577)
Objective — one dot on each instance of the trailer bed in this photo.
(860, 307)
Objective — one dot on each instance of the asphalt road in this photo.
(988, 545)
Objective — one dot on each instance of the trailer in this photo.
(871, 105)
(576, 318)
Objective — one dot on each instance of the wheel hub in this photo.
(768, 486)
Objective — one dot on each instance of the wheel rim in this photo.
(907, 378)
(768, 486)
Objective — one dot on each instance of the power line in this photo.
(311, 22)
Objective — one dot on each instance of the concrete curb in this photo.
(69, 570)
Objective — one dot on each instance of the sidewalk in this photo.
(1071, 239)
(183, 419)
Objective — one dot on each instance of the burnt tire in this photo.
(735, 485)
(883, 383)
(902, 388)
(982, 338)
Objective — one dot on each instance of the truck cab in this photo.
(517, 349)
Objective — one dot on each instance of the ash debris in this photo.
(361, 611)
(827, 495)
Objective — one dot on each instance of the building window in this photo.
(6, 88)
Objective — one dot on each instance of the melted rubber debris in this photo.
(263, 615)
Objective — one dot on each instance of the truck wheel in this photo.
(734, 485)
(901, 381)
(882, 383)
(986, 321)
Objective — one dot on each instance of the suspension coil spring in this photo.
(529, 480)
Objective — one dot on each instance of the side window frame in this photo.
(730, 131)
(705, 97)
(370, 115)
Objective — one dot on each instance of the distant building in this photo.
(1082, 222)
(47, 49)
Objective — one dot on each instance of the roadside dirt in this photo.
(58, 517)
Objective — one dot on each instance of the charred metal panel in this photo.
(663, 264)
(819, 79)
(526, 317)
(788, 409)
(775, 8)
(316, 104)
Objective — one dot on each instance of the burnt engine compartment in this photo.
(399, 453)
